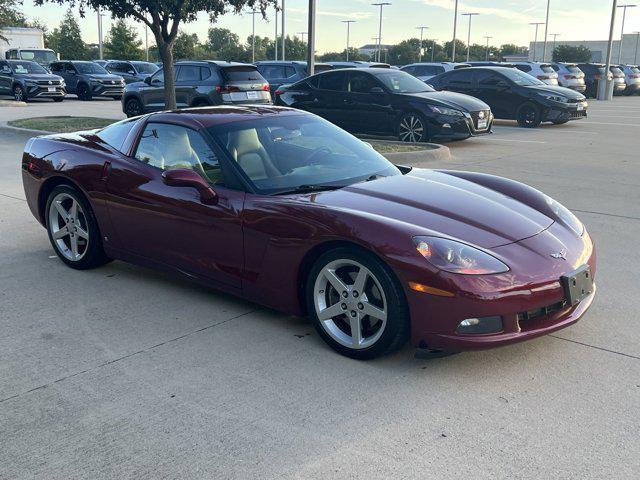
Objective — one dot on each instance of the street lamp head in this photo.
(628, 5)
(469, 14)
(380, 4)
(348, 21)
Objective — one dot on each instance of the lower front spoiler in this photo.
(432, 344)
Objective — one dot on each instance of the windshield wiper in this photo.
(309, 188)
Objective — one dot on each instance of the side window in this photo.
(205, 73)
(5, 68)
(289, 72)
(410, 70)
(524, 68)
(333, 81)
(460, 78)
(116, 133)
(168, 147)
(128, 68)
(188, 73)
(361, 82)
(158, 77)
(56, 67)
(487, 79)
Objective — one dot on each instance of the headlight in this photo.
(30, 83)
(565, 215)
(446, 111)
(457, 257)
(556, 98)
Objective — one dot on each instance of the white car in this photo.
(631, 78)
(570, 76)
(425, 70)
(542, 71)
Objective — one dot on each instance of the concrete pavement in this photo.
(123, 372)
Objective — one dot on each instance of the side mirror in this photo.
(183, 177)
(376, 90)
(147, 80)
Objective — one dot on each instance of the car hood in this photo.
(567, 92)
(435, 203)
(451, 99)
(108, 76)
(38, 76)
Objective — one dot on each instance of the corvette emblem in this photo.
(559, 255)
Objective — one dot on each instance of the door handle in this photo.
(106, 170)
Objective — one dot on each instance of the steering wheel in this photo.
(316, 152)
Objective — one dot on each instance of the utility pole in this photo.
(275, 38)
(554, 35)
(433, 49)
(283, 30)
(603, 94)
(469, 31)
(348, 22)
(635, 57)
(535, 41)
(99, 33)
(253, 34)
(381, 4)
(302, 34)
(420, 52)
(487, 55)
(311, 44)
(624, 14)
(546, 30)
(455, 25)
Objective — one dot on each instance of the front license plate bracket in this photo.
(577, 284)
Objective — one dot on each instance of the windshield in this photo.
(27, 67)
(401, 82)
(144, 67)
(280, 154)
(520, 78)
(40, 56)
(90, 67)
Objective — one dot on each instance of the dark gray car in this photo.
(281, 72)
(199, 83)
(25, 80)
(131, 71)
(88, 80)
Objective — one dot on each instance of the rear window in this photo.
(573, 69)
(242, 74)
(635, 70)
(547, 69)
(116, 133)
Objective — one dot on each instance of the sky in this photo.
(507, 21)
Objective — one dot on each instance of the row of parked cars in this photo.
(415, 103)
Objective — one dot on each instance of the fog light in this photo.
(480, 325)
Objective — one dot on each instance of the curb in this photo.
(432, 153)
(12, 103)
(25, 130)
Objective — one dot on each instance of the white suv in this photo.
(542, 71)
(570, 76)
(425, 70)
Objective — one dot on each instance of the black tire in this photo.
(397, 328)
(19, 95)
(83, 92)
(133, 107)
(201, 103)
(58, 99)
(412, 127)
(93, 252)
(116, 98)
(528, 115)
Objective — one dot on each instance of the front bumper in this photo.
(448, 127)
(107, 89)
(45, 91)
(564, 112)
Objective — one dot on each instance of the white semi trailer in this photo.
(23, 43)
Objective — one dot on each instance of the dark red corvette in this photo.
(287, 210)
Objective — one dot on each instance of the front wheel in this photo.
(73, 229)
(528, 115)
(412, 128)
(84, 93)
(19, 95)
(133, 107)
(356, 304)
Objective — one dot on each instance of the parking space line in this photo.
(513, 140)
(614, 124)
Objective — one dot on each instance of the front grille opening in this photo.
(541, 312)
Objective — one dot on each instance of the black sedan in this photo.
(515, 95)
(378, 101)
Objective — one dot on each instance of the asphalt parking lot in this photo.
(123, 372)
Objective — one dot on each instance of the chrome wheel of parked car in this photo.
(68, 226)
(18, 94)
(412, 128)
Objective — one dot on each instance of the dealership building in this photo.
(630, 50)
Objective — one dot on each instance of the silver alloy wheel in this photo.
(17, 94)
(411, 129)
(68, 227)
(350, 303)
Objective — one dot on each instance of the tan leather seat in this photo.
(246, 149)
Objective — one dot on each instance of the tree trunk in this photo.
(166, 55)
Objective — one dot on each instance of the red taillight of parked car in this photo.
(265, 87)
(570, 77)
(227, 89)
(544, 77)
(278, 92)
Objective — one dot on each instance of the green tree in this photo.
(567, 53)
(187, 46)
(354, 56)
(123, 42)
(404, 52)
(163, 17)
(219, 39)
(511, 49)
(67, 40)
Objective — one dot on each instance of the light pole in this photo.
(469, 31)
(603, 93)
(422, 29)
(275, 38)
(546, 30)
(487, 55)
(554, 35)
(302, 34)
(535, 41)
(635, 57)
(253, 34)
(433, 49)
(311, 44)
(624, 14)
(348, 22)
(380, 4)
(455, 26)
(283, 33)
(100, 15)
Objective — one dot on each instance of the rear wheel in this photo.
(133, 107)
(19, 94)
(356, 304)
(73, 229)
(528, 115)
(83, 92)
(412, 127)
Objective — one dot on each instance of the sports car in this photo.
(287, 210)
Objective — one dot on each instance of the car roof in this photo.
(205, 117)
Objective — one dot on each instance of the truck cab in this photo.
(42, 56)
